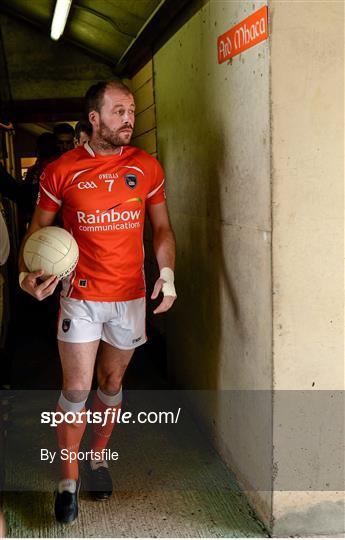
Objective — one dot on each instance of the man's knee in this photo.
(110, 383)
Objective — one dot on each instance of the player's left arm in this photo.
(164, 247)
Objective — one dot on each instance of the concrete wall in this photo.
(307, 66)
(214, 141)
(261, 136)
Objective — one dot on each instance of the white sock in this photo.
(67, 484)
(110, 400)
(95, 464)
(70, 406)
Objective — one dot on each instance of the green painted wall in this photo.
(213, 139)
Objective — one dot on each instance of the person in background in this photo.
(9, 186)
(83, 132)
(47, 151)
(4, 253)
(64, 134)
(15, 191)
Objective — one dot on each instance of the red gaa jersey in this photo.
(102, 199)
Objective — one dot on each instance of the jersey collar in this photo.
(92, 153)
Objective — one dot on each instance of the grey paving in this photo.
(168, 482)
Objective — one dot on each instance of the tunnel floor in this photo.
(168, 480)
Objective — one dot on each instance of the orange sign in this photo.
(244, 35)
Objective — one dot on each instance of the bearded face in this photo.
(114, 136)
(113, 125)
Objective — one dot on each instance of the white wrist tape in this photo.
(168, 288)
(22, 276)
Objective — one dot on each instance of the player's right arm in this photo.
(29, 282)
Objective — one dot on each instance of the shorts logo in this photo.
(66, 323)
(83, 283)
(87, 185)
(131, 180)
(136, 339)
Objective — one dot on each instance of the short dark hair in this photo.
(83, 125)
(95, 94)
(46, 146)
(63, 128)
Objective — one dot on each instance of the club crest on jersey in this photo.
(131, 180)
(66, 323)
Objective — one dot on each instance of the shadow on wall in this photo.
(203, 278)
(212, 331)
(212, 126)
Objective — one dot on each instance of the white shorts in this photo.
(122, 324)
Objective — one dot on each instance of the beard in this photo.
(113, 138)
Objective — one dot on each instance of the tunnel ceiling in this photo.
(105, 27)
(44, 81)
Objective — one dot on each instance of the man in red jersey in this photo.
(103, 189)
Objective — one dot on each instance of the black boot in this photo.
(66, 501)
(99, 482)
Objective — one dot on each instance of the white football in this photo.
(53, 250)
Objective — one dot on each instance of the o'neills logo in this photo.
(108, 221)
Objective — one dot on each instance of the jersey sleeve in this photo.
(50, 197)
(157, 191)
